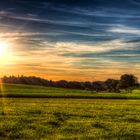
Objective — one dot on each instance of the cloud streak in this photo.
(125, 30)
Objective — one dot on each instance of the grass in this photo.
(46, 113)
(28, 91)
(69, 119)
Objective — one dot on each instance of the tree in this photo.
(112, 85)
(88, 85)
(99, 86)
(128, 81)
(62, 83)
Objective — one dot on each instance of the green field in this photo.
(28, 91)
(69, 119)
(44, 113)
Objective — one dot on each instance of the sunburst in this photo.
(5, 52)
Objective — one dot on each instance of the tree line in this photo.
(126, 81)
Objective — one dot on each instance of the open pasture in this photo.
(69, 119)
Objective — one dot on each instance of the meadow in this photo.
(45, 113)
(69, 119)
(30, 91)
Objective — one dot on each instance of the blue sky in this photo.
(72, 40)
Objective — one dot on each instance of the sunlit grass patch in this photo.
(70, 119)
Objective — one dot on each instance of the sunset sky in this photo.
(70, 39)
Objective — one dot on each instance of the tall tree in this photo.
(128, 81)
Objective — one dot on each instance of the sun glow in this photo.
(3, 48)
(5, 52)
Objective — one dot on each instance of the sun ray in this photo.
(4, 59)
(2, 93)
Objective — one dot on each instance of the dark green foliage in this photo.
(111, 85)
(128, 81)
(99, 86)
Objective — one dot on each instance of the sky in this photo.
(82, 40)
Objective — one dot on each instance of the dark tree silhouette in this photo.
(128, 81)
(112, 85)
(99, 86)
(62, 83)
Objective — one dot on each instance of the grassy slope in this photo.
(15, 90)
(69, 119)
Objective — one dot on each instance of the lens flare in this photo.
(3, 96)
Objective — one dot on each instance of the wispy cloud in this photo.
(35, 18)
(103, 12)
(24, 34)
(93, 48)
(125, 30)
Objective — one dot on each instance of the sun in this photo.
(3, 48)
(4, 51)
